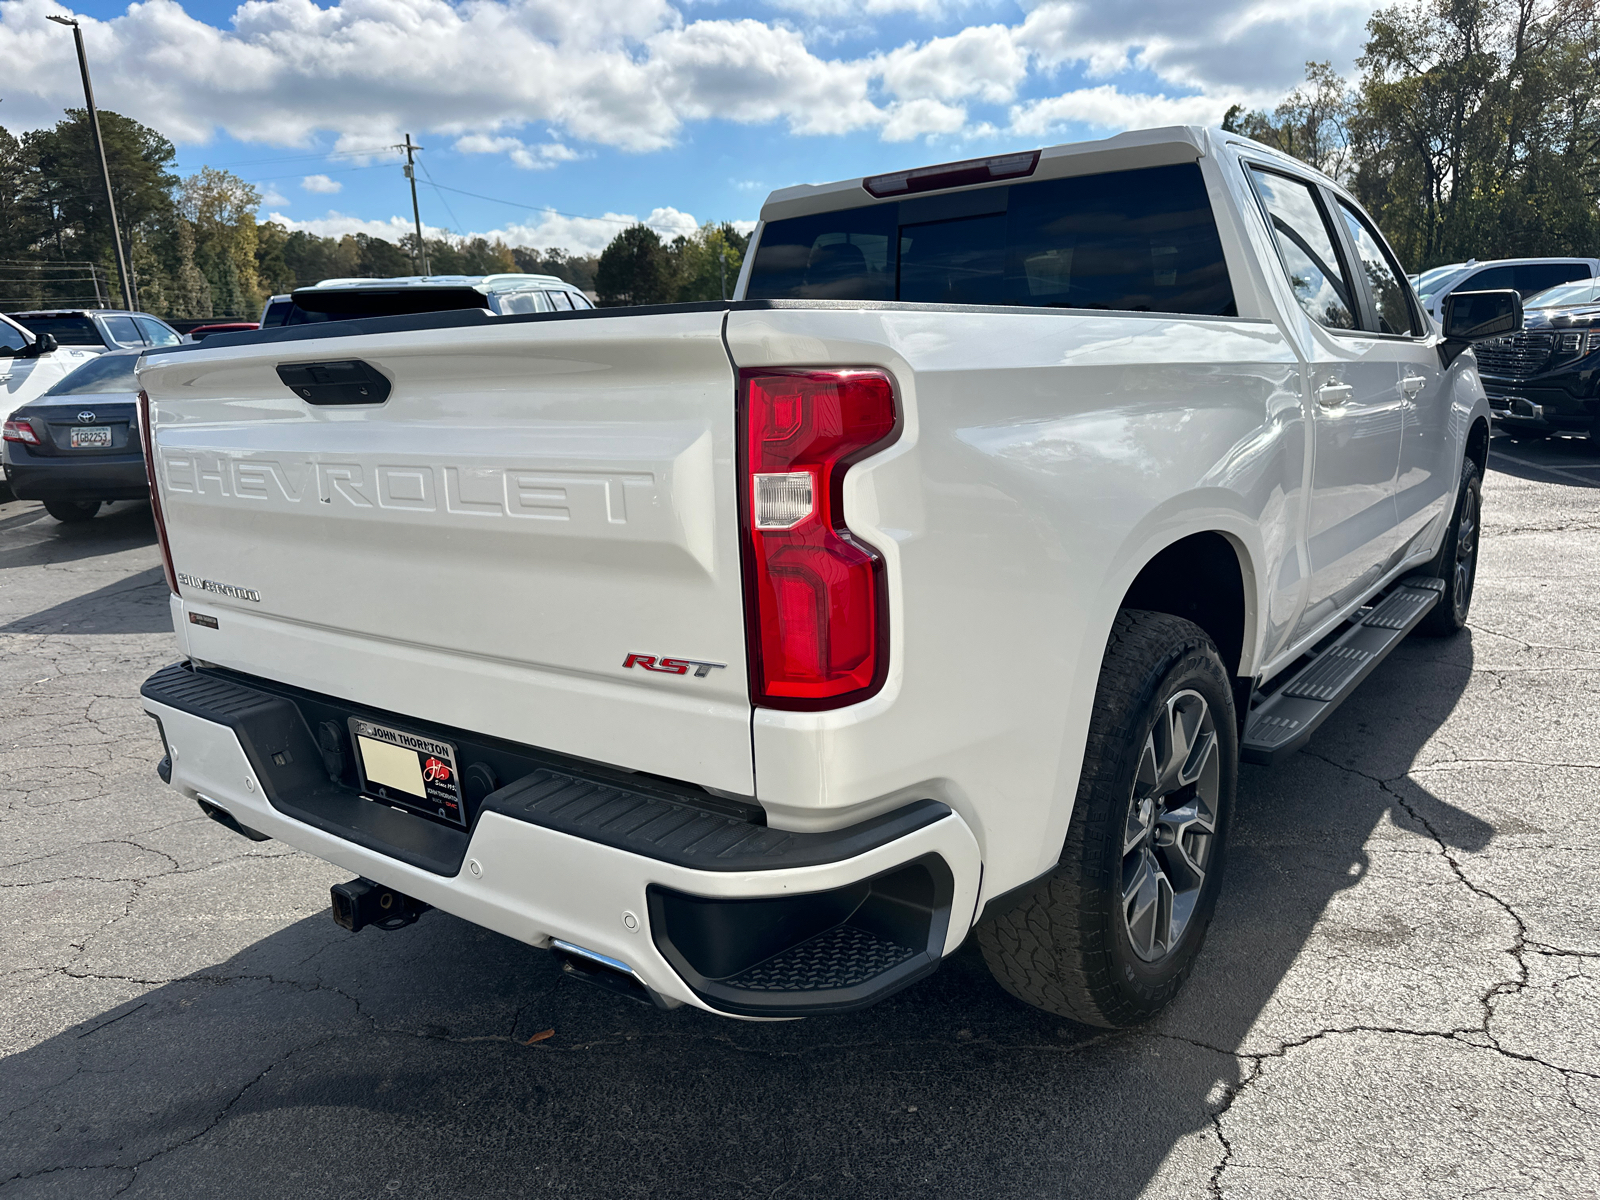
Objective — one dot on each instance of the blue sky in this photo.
(574, 116)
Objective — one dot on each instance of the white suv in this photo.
(344, 299)
(1525, 275)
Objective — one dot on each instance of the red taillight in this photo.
(20, 429)
(816, 605)
(149, 444)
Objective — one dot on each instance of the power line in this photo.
(540, 208)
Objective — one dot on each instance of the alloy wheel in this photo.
(1466, 565)
(1171, 825)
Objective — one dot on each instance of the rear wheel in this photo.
(1110, 935)
(1457, 563)
(72, 511)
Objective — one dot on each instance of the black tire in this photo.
(70, 512)
(1069, 946)
(1457, 561)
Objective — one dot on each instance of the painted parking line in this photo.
(1564, 472)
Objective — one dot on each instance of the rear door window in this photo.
(1492, 279)
(1383, 276)
(560, 301)
(1306, 245)
(1535, 277)
(156, 333)
(123, 331)
(1140, 241)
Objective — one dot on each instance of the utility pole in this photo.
(105, 171)
(416, 213)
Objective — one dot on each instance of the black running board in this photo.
(1285, 720)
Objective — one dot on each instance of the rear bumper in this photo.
(51, 477)
(703, 908)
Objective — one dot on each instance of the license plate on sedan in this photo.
(408, 770)
(86, 436)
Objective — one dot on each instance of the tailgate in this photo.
(534, 503)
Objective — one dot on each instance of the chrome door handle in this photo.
(1331, 394)
(1412, 384)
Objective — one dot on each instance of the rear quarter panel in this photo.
(1045, 457)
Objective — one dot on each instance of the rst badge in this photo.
(672, 666)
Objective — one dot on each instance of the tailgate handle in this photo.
(347, 381)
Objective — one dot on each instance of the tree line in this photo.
(1473, 130)
(196, 250)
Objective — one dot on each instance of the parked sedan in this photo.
(77, 446)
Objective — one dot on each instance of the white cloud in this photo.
(636, 75)
(581, 235)
(274, 198)
(916, 118)
(530, 158)
(1105, 107)
(321, 185)
(983, 61)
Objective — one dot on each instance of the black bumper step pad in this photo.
(843, 957)
(1285, 720)
(656, 818)
(659, 827)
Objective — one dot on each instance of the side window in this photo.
(1306, 244)
(524, 302)
(123, 331)
(1535, 277)
(560, 301)
(580, 301)
(1383, 277)
(1494, 279)
(156, 333)
(11, 338)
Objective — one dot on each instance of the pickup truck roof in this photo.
(1136, 148)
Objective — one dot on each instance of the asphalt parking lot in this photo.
(1401, 995)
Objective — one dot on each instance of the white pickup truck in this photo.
(754, 655)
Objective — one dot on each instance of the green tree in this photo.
(706, 265)
(220, 208)
(577, 270)
(70, 193)
(635, 269)
(1311, 124)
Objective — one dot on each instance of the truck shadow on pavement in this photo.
(317, 1063)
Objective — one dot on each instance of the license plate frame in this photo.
(79, 438)
(388, 776)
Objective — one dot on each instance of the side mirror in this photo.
(1474, 316)
(45, 343)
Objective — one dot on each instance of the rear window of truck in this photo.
(1135, 241)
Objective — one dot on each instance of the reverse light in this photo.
(20, 429)
(149, 444)
(816, 604)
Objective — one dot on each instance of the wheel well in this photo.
(1198, 579)
(1478, 444)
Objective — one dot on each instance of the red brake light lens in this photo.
(816, 603)
(155, 493)
(957, 174)
(20, 429)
